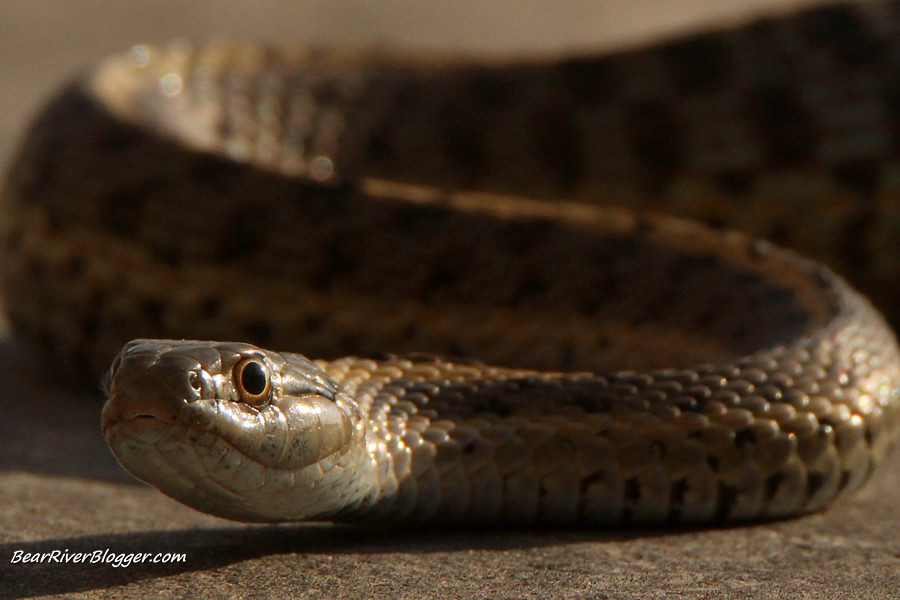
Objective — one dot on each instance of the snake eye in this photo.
(252, 381)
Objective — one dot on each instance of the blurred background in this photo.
(41, 43)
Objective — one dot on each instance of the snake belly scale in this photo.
(648, 369)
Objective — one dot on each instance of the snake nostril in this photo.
(200, 384)
(194, 381)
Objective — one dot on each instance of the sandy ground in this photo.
(60, 489)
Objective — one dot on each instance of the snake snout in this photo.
(144, 397)
(144, 413)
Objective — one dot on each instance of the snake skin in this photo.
(296, 199)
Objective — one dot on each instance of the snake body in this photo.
(650, 370)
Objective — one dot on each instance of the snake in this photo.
(507, 323)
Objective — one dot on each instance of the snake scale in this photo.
(347, 204)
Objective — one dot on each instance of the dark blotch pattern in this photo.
(154, 311)
(860, 176)
(814, 483)
(338, 262)
(246, 233)
(773, 482)
(210, 307)
(90, 324)
(744, 436)
(443, 274)
(845, 479)
(557, 140)
(632, 490)
(737, 183)
(841, 29)
(657, 141)
(529, 286)
(726, 500)
(700, 64)
(590, 80)
(214, 172)
(259, 332)
(523, 237)
(784, 125)
(677, 495)
(125, 210)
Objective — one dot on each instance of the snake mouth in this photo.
(137, 417)
(142, 427)
(144, 416)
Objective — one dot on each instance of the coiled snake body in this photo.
(238, 192)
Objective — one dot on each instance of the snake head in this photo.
(229, 428)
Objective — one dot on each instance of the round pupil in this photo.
(253, 378)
